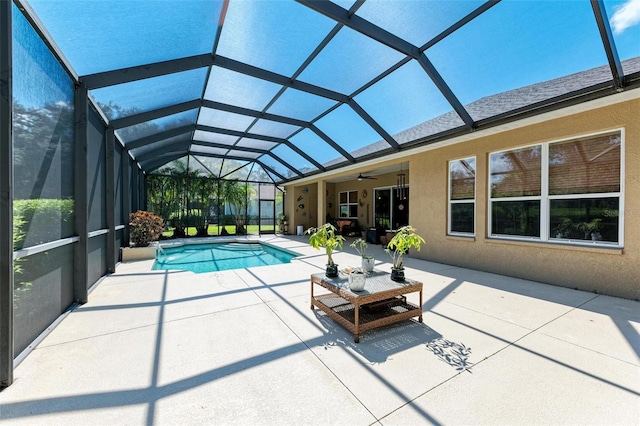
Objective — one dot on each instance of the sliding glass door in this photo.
(391, 210)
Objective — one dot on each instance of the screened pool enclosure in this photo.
(191, 199)
(205, 111)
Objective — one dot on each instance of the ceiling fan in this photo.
(361, 177)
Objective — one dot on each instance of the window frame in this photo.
(349, 204)
(545, 199)
(462, 201)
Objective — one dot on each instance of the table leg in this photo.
(356, 334)
(420, 317)
(312, 295)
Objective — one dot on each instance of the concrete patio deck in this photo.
(244, 347)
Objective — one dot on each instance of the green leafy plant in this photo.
(361, 247)
(35, 219)
(21, 286)
(282, 222)
(325, 237)
(590, 229)
(368, 262)
(235, 195)
(398, 246)
(564, 228)
(144, 227)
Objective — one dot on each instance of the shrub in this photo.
(41, 220)
(145, 227)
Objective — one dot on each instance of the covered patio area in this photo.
(244, 347)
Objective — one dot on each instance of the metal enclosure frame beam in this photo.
(608, 42)
(252, 136)
(262, 74)
(135, 196)
(180, 147)
(110, 200)
(126, 194)
(142, 190)
(81, 199)
(157, 137)
(374, 124)
(333, 144)
(246, 149)
(153, 165)
(304, 155)
(356, 23)
(269, 169)
(284, 81)
(185, 106)
(229, 147)
(162, 68)
(254, 113)
(46, 38)
(6, 197)
(157, 69)
(159, 162)
(287, 165)
(142, 117)
(361, 25)
(140, 72)
(237, 133)
(460, 23)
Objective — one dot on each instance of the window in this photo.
(516, 192)
(567, 191)
(462, 196)
(349, 204)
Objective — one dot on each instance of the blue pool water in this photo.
(214, 257)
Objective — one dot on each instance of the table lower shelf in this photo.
(370, 316)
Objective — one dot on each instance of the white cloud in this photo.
(626, 16)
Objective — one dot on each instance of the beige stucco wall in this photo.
(611, 271)
(608, 271)
(300, 206)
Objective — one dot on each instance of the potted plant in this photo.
(144, 228)
(325, 236)
(591, 229)
(357, 278)
(404, 239)
(564, 228)
(361, 247)
(282, 218)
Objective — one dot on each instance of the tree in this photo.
(205, 191)
(162, 196)
(235, 194)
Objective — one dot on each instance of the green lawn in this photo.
(213, 230)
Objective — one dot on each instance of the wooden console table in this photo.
(382, 302)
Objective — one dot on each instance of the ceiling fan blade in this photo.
(360, 177)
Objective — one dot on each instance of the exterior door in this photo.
(267, 212)
(391, 210)
(400, 216)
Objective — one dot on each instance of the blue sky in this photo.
(514, 44)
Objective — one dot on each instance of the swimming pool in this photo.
(222, 256)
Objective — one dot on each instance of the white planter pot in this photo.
(368, 263)
(131, 254)
(356, 281)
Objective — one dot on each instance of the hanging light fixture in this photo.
(401, 185)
